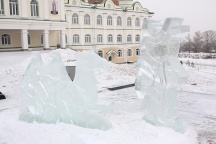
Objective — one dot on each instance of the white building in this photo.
(112, 30)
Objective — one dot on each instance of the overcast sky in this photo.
(199, 14)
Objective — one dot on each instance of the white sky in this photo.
(199, 14)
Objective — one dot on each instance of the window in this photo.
(137, 52)
(137, 38)
(110, 38)
(87, 38)
(14, 8)
(76, 39)
(119, 21)
(87, 19)
(129, 52)
(119, 53)
(128, 21)
(66, 39)
(137, 22)
(99, 20)
(1, 7)
(109, 20)
(29, 40)
(100, 53)
(119, 38)
(34, 8)
(42, 39)
(6, 40)
(75, 19)
(99, 38)
(129, 38)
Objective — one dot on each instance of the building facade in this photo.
(111, 30)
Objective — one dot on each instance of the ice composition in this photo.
(159, 72)
(49, 96)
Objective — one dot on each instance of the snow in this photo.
(128, 127)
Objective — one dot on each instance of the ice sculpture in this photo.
(49, 96)
(159, 71)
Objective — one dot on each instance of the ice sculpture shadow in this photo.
(49, 96)
(159, 72)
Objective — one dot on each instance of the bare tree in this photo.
(188, 44)
(197, 42)
(209, 39)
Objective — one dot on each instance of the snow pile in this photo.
(128, 126)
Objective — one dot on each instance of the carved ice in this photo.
(49, 96)
(159, 71)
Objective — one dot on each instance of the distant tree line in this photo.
(201, 42)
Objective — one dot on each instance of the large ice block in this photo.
(49, 96)
(159, 71)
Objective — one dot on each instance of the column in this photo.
(133, 28)
(70, 38)
(63, 45)
(124, 37)
(46, 39)
(105, 28)
(114, 26)
(24, 10)
(69, 18)
(81, 22)
(24, 39)
(46, 10)
(125, 55)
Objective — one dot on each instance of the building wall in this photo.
(14, 38)
(44, 10)
(108, 9)
(18, 25)
(55, 25)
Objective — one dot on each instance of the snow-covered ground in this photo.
(197, 104)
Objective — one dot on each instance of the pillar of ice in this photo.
(159, 71)
(49, 96)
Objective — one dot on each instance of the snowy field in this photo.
(197, 104)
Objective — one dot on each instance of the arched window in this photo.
(119, 21)
(6, 40)
(100, 53)
(99, 20)
(75, 19)
(87, 19)
(109, 20)
(129, 52)
(129, 38)
(76, 39)
(119, 38)
(128, 21)
(42, 39)
(87, 38)
(110, 38)
(137, 52)
(99, 38)
(14, 7)
(29, 40)
(137, 38)
(1, 7)
(137, 22)
(119, 53)
(34, 8)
